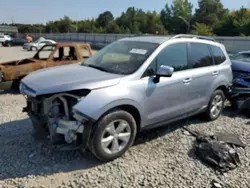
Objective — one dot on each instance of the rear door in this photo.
(204, 71)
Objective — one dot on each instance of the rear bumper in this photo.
(5, 85)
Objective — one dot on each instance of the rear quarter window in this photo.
(219, 56)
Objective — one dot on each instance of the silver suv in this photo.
(128, 86)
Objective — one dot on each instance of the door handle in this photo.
(187, 80)
(215, 73)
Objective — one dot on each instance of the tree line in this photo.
(210, 18)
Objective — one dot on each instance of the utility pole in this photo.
(187, 22)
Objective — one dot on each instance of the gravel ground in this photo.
(159, 158)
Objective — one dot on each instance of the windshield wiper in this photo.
(96, 67)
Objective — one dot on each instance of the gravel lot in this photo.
(159, 158)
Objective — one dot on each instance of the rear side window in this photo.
(218, 54)
(199, 55)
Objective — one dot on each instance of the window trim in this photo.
(155, 58)
(210, 52)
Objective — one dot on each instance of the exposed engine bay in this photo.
(54, 115)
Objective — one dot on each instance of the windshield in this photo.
(39, 39)
(242, 57)
(121, 57)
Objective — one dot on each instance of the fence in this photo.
(233, 44)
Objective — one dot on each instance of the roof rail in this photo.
(193, 36)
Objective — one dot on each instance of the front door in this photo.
(168, 98)
(63, 55)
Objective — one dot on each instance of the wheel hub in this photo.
(115, 136)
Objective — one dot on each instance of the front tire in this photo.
(215, 106)
(114, 134)
(33, 48)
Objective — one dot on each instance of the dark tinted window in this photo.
(151, 70)
(174, 55)
(219, 56)
(199, 55)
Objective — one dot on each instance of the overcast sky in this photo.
(33, 11)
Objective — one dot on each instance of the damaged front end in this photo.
(53, 118)
(240, 91)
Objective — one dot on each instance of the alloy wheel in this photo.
(115, 136)
(216, 106)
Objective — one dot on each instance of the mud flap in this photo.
(86, 135)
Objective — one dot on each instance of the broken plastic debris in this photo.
(22, 186)
(31, 155)
(216, 184)
(216, 150)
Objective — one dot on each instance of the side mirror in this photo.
(163, 71)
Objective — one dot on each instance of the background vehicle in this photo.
(50, 55)
(34, 46)
(15, 42)
(130, 85)
(4, 38)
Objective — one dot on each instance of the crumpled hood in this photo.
(240, 66)
(68, 77)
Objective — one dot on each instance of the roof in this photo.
(68, 43)
(150, 39)
(162, 39)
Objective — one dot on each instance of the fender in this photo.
(99, 101)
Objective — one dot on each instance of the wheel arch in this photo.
(131, 109)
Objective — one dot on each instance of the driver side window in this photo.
(174, 55)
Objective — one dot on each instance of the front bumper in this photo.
(33, 110)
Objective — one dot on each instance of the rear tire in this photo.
(215, 106)
(114, 134)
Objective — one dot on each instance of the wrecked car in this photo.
(240, 91)
(129, 85)
(50, 55)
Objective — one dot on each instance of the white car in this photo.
(34, 46)
(4, 38)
